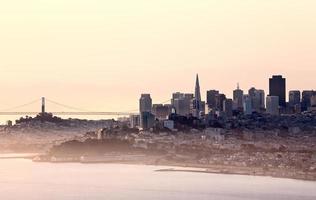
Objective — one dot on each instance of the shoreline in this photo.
(167, 166)
(19, 155)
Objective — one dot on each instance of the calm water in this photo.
(23, 179)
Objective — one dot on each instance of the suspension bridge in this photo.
(74, 110)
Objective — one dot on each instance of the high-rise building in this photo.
(261, 95)
(220, 98)
(161, 111)
(313, 101)
(145, 107)
(257, 99)
(272, 105)
(306, 98)
(194, 110)
(197, 105)
(228, 108)
(147, 120)
(238, 98)
(181, 103)
(247, 105)
(277, 87)
(211, 99)
(294, 97)
(145, 103)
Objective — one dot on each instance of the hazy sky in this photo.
(100, 55)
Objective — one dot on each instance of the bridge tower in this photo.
(43, 105)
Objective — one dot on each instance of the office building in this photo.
(238, 99)
(228, 108)
(197, 105)
(257, 99)
(161, 111)
(294, 97)
(145, 103)
(201, 109)
(219, 99)
(277, 87)
(147, 120)
(261, 96)
(247, 105)
(181, 103)
(211, 99)
(272, 105)
(306, 98)
(313, 101)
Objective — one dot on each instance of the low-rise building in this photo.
(168, 124)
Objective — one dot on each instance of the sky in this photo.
(101, 55)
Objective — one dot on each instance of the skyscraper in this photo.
(211, 99)
(313, 101)
(145, 107)
(161, 111)
(238, 99)
(306, 98)
(294, 97)
(247, 105)
(228, 107)
(257, 99)
(147, 120)
(145, 103)
(219, 99)
(273, 105)
(277, 87)
(181, 102)
(197, 99)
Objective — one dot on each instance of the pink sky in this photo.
(100, 55)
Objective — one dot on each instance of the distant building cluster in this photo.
(217, 105)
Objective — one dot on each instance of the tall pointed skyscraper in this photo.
(197, 89)
(197, 98)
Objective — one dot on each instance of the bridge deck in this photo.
(68, 113)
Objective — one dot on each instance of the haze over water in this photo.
(23, 179)
(5, 118)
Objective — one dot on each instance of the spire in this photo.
(197, 98)
(237, 86)
(197, 88)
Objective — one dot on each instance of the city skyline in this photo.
(203, 95)
(104, 48)
(167, 99)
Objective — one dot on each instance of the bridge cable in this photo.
(20, 106)
(66, 106)
(136, 110)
